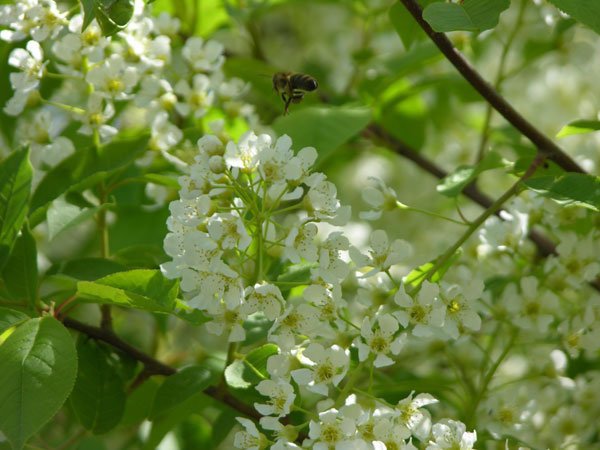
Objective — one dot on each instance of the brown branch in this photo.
(155, 367)
(544, 245)
(544, 144)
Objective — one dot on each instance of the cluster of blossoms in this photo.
(252, 212)
(548, 306)
(145, 76)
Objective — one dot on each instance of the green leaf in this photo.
(178, 388)
(471, 15)
(569, 189)
(579, 127)
(139, 403)
(15, 186)
(142, 289)
(62, 216)
(86, 168)
(248, 372)
(98, 397)
(406, 26)
(88, 13)
(453, 184)
(38, 365)
(417, 276)
(162, 180)
(326, 129)
(111, 15)
(21, 272)
(9, 318)
(585, 11)
(189, 314)
(86, 269)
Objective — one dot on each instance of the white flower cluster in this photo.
(353, 427)
(230, 241)
(104, 79)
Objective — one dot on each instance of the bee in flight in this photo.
(292, 87)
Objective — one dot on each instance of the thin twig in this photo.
(544, 144)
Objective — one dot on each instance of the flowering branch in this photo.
(539, 139)
(544, 246)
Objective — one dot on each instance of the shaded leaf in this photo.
(15, 186)
(62, 216)
(243, 374)
(85, 168)
(178, 388)
(585, 11)
(38, 365)
(453, 184)
(470, 15)
(98, 397)
(21, 271)
(406, 26)
(9, 318)
(569, 189)
(323, 128)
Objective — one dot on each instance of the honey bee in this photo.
(292, 87)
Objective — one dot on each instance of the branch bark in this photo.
(544, 144)
(544, 245)
(153, 366)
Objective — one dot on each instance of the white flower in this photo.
(30, 62)
(227, 319)
(390, 433)
(98, 112)
(155, 94)
(42, 133)
(327, 300)
(49, 21)
(38, 19)
(295, 321)
(322, 202)
(505, 234)
(332, 431)
(244, 155)
(114, 77)
(284, 435)
(164, 135)
(327, 366)
(531, 308)
(229, 231)
(332, 268)
(300, 243)
(451, 435)
(218, 281)
(190, 212)
(411, 414)
(379, 337)
(461, 308)
(383, 254)
(281, 396)
(165, 24)
(426, 312)
(203, 57)
(250, 438)
(382, 198)
(197, 98)
(577, 259)
(265, 298)
(277, 167)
